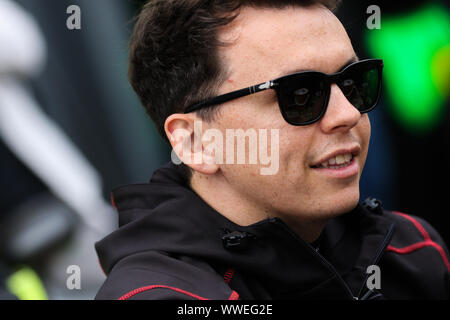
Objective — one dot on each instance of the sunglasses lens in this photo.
(361, 85)
(302, 97)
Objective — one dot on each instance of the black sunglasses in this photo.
(303, 97)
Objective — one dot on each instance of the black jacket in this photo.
(172, 245)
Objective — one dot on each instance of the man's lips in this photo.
(347, 170)
(340, 163)
(337, 157)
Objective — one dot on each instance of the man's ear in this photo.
(185, 133)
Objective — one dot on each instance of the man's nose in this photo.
(341, 115)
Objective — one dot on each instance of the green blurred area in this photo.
(415, 48)
(25, 284)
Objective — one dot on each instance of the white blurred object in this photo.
(45, 149)
(23, 50)
(32, 136)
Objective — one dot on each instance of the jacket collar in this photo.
(166, 215)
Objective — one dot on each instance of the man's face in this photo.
(269, 43)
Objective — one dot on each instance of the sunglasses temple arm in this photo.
(231, 96)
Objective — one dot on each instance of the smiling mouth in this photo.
(337, 162)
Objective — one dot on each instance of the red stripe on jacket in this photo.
(234, 295)
(416, 246)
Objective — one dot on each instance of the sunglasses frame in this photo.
(274, 84)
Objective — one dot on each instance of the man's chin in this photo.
(339, 204)
(343, 203)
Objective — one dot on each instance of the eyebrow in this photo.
(349, 62)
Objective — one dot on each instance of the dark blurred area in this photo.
(411, 126)
(71, 129)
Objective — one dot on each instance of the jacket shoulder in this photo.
(156, 275)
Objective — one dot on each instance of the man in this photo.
(222, 229)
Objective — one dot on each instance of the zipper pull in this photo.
(236, 240)
(367, 295)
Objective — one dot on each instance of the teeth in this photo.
(348, 157)
(337, 162)
(340, 159)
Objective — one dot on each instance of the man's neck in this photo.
(242, 211)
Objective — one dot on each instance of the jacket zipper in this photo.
(386, 241)
(338, 276)
(323, 260)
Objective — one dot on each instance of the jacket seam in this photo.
(428, 242)
(233, 296)
(228, 275)
(157, 286)
(419, 245)
(416, 224)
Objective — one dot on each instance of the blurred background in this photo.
(71, 130)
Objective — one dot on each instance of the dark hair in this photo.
(173, 51)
